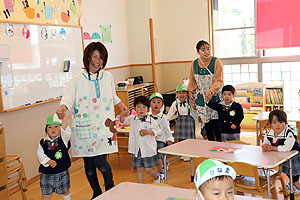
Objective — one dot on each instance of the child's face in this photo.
(141, 109)
(182, 95)
(53, 130)
(227, 97)
(95, 62)
(156, 104)
(277, 126)
(218, 189)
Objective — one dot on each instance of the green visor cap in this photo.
(53, 119)
(181, 87)
(157, 95)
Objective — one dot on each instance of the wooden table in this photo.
(138, 191)
(248, 154)
(262, 120)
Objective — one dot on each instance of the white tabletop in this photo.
(291, 117)
(247, 154)
(137, 191)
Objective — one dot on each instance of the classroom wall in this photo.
(131, 47)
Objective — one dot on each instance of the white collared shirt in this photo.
(65, 136)
(164, 126)
(183, 110)
(147, 144)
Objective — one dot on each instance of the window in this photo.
(235, 74)
(234, 28)
(286, 73)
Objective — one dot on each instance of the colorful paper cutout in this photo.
(63, 33)
(29, 12)
(86, 36)
(48, 11)
(96, 36)
(73, 7)
(53, 33)
(38, 15)
(65, 17)
(9, 5)
(44, 33)
(25, 32)
(105, 31)
(9, 29)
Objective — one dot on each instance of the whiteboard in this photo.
(32, 61)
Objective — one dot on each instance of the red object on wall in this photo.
(277, 24)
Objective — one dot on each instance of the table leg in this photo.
(291, 180)
(165, 168)
(192, 170)
(257, 134)
(268, 181)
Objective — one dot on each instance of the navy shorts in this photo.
(147, 162)
(59, 183)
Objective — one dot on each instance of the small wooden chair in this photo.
(253, 181)
(16, 175)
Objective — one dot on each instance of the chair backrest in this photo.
(246, 170)
(197, 161)
(237, 142)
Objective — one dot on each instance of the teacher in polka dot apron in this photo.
(91, 96)
(206, 81)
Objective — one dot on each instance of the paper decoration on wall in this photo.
(63, 33)
(48, 11)
(80, 2)
(6, 13)
(9, 5)
(105, 31)
(38, 15)
(37, 2)
(29, 12)
(9, 29)
(95, 36)
(25, 32)
(44, 33)
(73, 7)
(53, 33)
(65, 16)
(86, 36)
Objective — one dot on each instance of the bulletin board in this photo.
(36, 62)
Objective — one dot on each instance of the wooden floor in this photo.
(178, 176)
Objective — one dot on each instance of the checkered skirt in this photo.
(185, 127)
(295, 165)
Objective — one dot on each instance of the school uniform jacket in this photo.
(55, 149)
(147, 144)
(228, 115)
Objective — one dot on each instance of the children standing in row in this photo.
(283, 138)
(230, 114)
(54, 158)
(166, 138)
(142, 143)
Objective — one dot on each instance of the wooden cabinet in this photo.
(3, 167)
(273, 97)
(129, 93)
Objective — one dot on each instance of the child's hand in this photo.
(208, 96)
(61, 111)
(52, 163)
(233, 126)
(199, 119)
(169, 143)
(267, 147)
(144, 132)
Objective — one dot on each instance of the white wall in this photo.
(179, 25)
(106, 12)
